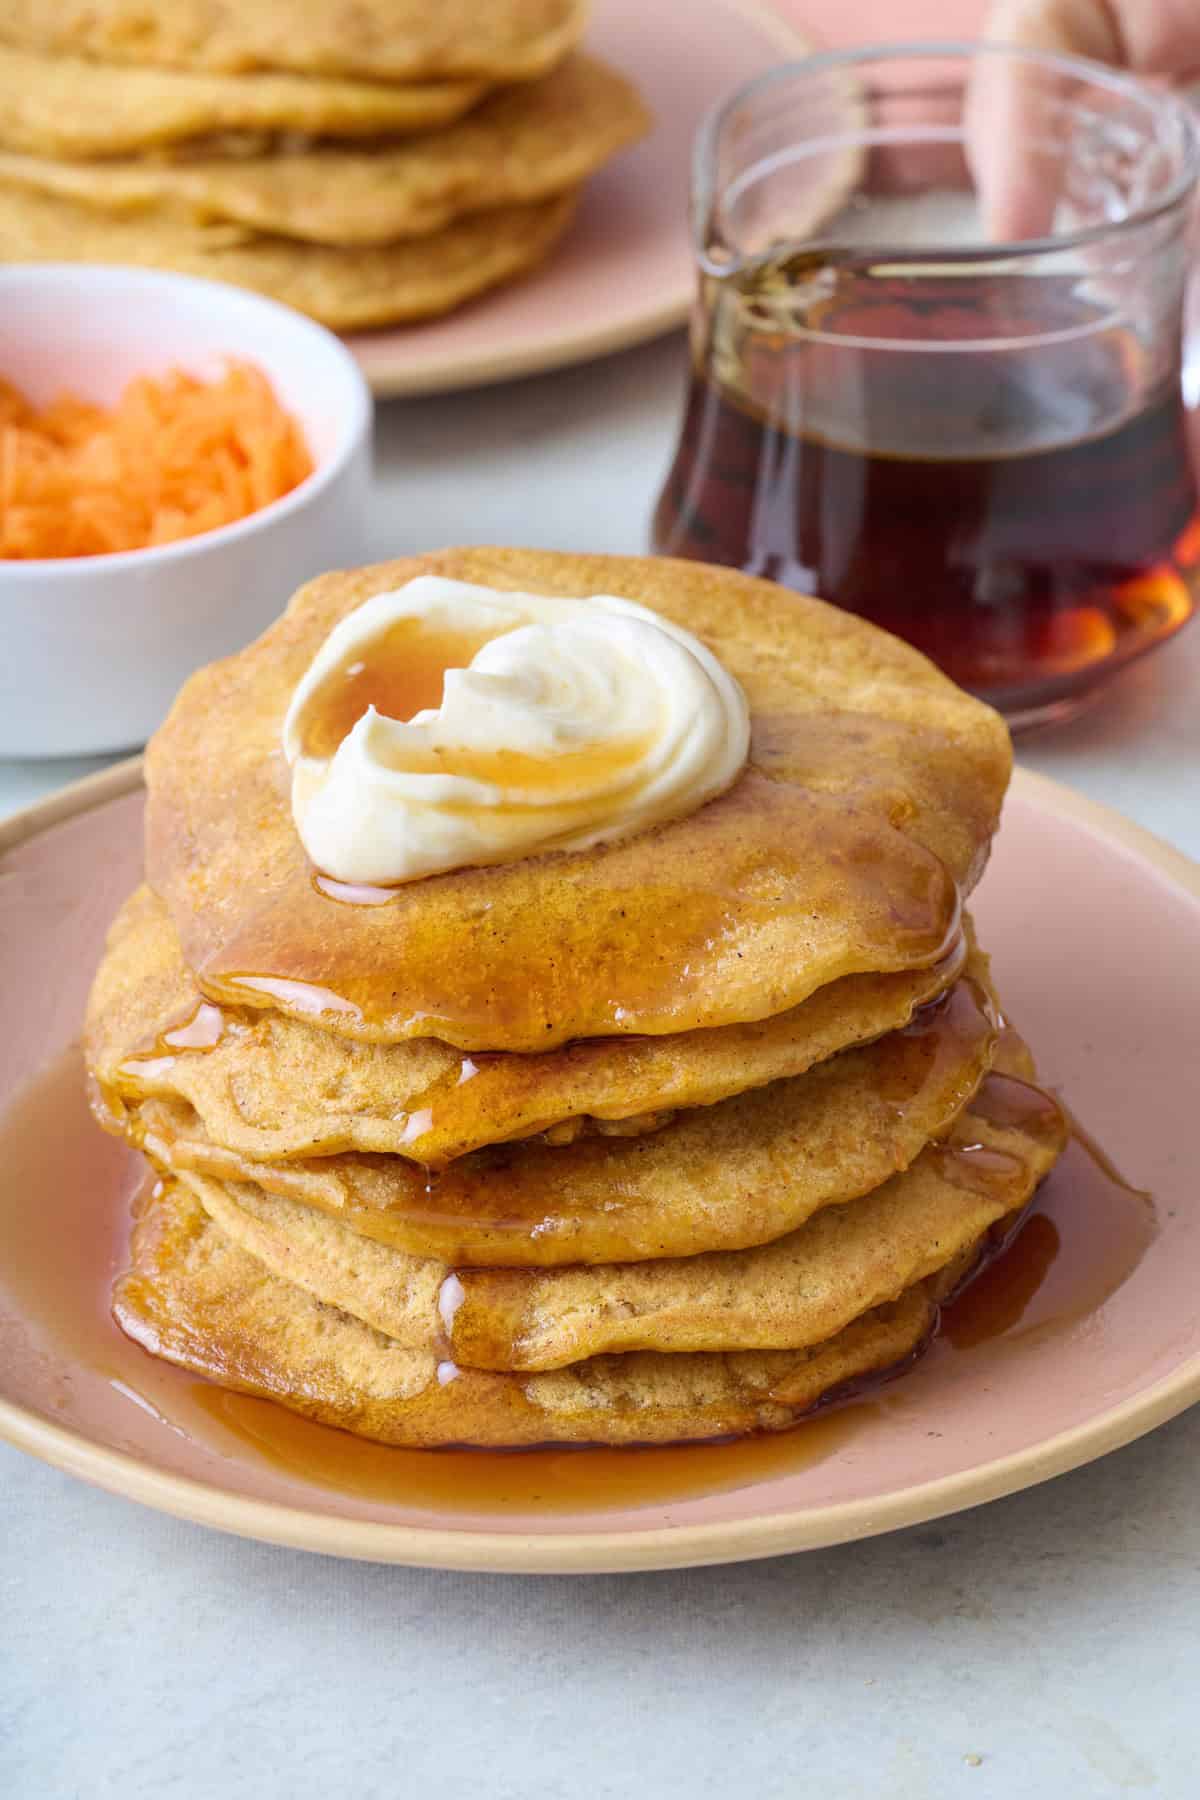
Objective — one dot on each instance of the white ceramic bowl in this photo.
(92, 649)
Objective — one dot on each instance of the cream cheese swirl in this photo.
(572, 723)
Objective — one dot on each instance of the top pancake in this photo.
(873, 788)
(383, 40)
(67, 106)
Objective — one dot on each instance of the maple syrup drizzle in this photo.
(202, 1030)
(303, 997)
(666, 923)
(1001, 1290)
(978, 1168)
(1103, 1161)
(351, 893)
(450, 1297)
(423, 1113)
(65, 1194)
(400, 673)
(467, 999)
(466, 1210)
(1007, 1101)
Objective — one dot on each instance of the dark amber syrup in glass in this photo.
(1026, 515)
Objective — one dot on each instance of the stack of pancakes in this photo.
(367, 165)
(671, 1138)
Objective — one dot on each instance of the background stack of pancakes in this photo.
(367, 165)
(666, 1139)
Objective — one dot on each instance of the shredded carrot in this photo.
(175, 457)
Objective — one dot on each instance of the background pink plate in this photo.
(1094, 928)
(624, 272)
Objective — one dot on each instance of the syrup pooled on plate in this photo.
(65, 1192)
(558, 1479)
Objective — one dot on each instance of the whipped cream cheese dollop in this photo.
(569, 723)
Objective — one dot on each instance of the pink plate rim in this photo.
(448, 370)
(596, 1552)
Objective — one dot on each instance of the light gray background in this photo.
(1044, 1646)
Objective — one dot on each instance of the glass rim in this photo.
(967, 50)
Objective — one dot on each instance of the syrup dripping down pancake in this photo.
(269, 1087)
(871, 794)
(193, 1297)
(742, 1172)
(795, 1292)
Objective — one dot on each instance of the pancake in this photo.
(64, 106)
(346, 289)
(523, 144)
(873, 789)
(722, 1177)
(193, 1297)
(271, 1087)
(381, 40)
(796, 1292)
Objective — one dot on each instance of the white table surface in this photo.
(1045, 1645)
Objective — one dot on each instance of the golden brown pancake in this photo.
(795, 1292)
(66, 106)
(271, 1087)
(193, 1297)
(823, 1149)
(346, 289)
(381, 40)
(722, 1177)
(873, 788)
(523, 144)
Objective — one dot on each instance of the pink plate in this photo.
(1095, 932)
(624, 272)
